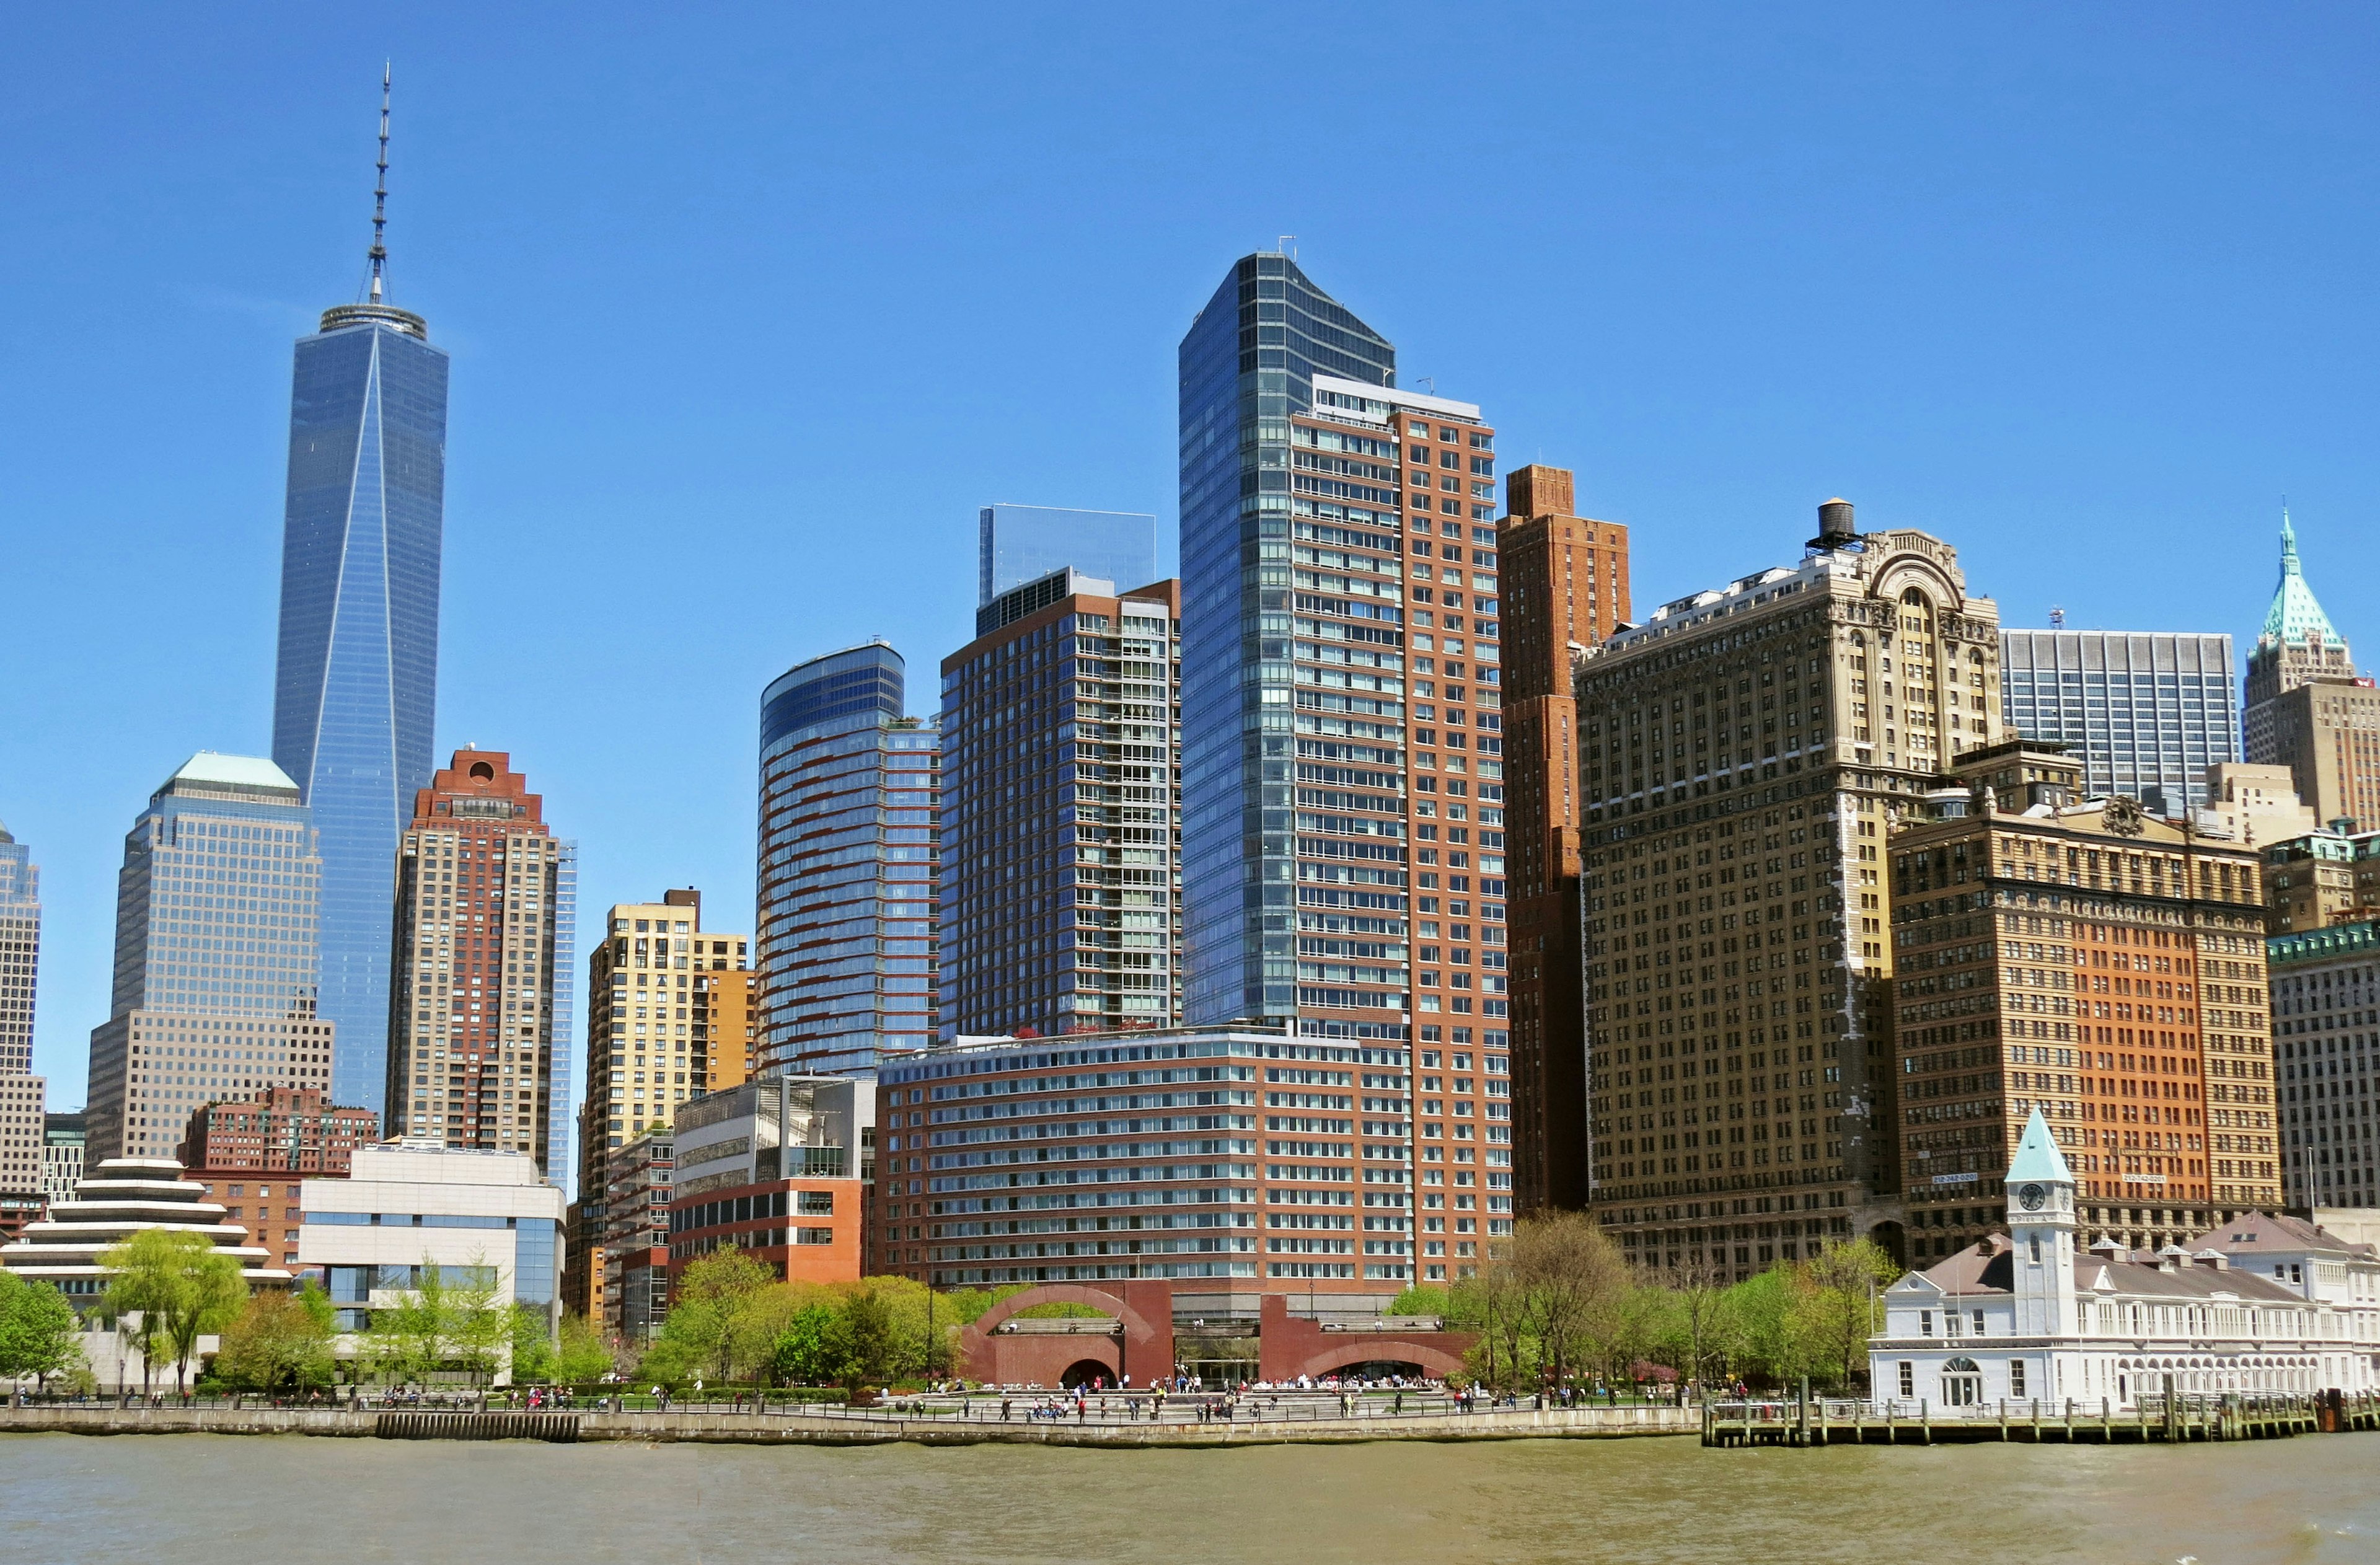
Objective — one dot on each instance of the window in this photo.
(2015, 1377)
(1962, 1383)
(813, 1237)
(1925, 1323)
(1907, 1379)
(817, 1203)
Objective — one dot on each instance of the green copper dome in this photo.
(2295, 619)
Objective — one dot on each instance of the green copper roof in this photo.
(2037, 1158)
(2295, 618)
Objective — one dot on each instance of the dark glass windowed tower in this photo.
(357, 674)
(1248, 363)
(850, 791)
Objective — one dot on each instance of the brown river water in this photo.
(197, 1500)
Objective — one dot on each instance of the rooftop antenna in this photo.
(2057, 617)
(379, 193)
(1281, 246)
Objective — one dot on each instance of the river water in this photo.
(198, 1499)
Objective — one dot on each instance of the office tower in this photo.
(479, 1020)
(849, 791)
(2145, 712)
(2082, 959)
(1341, 670)
(1020, 543)
(2325, 1042)
(1059, 904)
(1565, 589)
(1743, 750)
(357, 678)
(2297, 646)
(2327, 733)
(22, 1094)
(215, 911)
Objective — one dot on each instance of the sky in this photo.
(751, 308)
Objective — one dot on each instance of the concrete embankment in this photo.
(846, 1429)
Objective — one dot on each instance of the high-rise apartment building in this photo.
(1743, 750)
(1565, 589)
(849, 794)
(1020, 543)
(22, 1094)
(2098, 965)
(357, 678)
(1343, 782)
(2297, 646)
(2145, 712)
(669, 1017)
(1060, 896)
(2327, 1043)
(479, 1018)
(215, 913)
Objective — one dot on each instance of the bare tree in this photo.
(1695, 1287)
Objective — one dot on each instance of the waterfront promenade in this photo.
(924, 1421)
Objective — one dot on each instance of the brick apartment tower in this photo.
(1565, 589)
(479, 980)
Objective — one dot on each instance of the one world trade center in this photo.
(356, 680)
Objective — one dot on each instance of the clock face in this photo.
(2031, 1197)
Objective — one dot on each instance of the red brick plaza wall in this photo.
(1288, 1345)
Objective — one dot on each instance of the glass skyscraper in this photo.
(215, 916)
(850, 791)
(1246, 366)
(356, 687)
(1022, 543)
(2145, 711)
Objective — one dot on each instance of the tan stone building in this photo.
(2082, 959)
(2255, 806)
(1741, 751)
(670, 1014)
(1565, 589)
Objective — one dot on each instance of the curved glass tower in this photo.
(850, 789)
(357, 674)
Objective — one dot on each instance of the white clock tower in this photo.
(2041, 1225)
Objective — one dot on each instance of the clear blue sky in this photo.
(749, 311)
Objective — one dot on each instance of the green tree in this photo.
(280, 1341)
(38, 1330)
(871, 1337)
(1845, 1306)
(582, 1354)
(813, 1348)
(180, 1286)
(477, 1326)
(535, 1354)
(720, 1320)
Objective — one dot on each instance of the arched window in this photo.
(1962, 1382)
(1916, 614)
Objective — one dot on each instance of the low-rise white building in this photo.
(2262, 1304)
(481, 1217)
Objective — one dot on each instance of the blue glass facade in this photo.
(1248, 364)
(1022, 543)
(2147, 712)
(850, 791)
(356, 687)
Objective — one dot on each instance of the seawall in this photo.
(847, 1429)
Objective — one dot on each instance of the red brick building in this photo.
(806, 1230)
(1565, 589)
(282, 1129)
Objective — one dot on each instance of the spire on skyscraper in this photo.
(2295, 618)
(379, 253)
